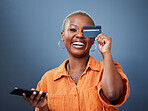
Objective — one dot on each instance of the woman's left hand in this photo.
(104, 43)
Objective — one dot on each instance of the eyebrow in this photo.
(73, 25)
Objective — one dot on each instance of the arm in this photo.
(112, 84)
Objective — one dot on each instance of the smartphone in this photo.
(19, 92)
(91, 31)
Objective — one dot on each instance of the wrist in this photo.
(44, 108)
(106, 54)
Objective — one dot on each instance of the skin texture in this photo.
(112, 84)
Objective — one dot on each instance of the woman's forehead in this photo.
(79, 19)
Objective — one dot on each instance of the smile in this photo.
(78, 44)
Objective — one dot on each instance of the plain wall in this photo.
(30, 31)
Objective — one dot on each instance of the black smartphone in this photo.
(19, 92)
(91, 31)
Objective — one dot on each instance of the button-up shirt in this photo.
(87, 95)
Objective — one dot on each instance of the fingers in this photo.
(103, 39)
(42, 102)
(104, 43)
(101, 35)
(32, 100)
(24, 96)
(36, 100)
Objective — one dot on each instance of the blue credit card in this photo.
(91, 31)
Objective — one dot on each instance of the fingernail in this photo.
(34, 92)
(40, 92)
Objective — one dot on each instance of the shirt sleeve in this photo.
(125, 94)
(41, 87)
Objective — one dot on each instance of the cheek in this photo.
(66, 35)
(67, 39)
(91, 41)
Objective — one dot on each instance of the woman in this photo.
(81, 82)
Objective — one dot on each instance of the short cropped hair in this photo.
(79, 12)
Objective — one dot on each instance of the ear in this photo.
(62, 36)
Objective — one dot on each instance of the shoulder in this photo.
(100, 64)
(54, 73)
(117, 65)
(46, 80)
(49, 74)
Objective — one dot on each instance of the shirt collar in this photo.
(93, 64)
(61, 71)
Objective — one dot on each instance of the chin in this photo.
(79, 54)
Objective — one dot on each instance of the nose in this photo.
(80, 34)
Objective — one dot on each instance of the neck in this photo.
(76, 67)
(78, 63)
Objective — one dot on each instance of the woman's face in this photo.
(73, 38)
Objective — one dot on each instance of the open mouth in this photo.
(78, 44)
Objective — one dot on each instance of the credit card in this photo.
(91, 31)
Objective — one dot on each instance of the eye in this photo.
(73, 30)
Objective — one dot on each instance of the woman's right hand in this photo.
(38, 101)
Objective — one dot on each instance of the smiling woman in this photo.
(81, 82)
(73, 36)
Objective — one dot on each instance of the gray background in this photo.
(30, 31)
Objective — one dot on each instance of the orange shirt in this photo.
(65, 95)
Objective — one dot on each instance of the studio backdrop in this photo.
(31, 29)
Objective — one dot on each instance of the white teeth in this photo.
(78, 43)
